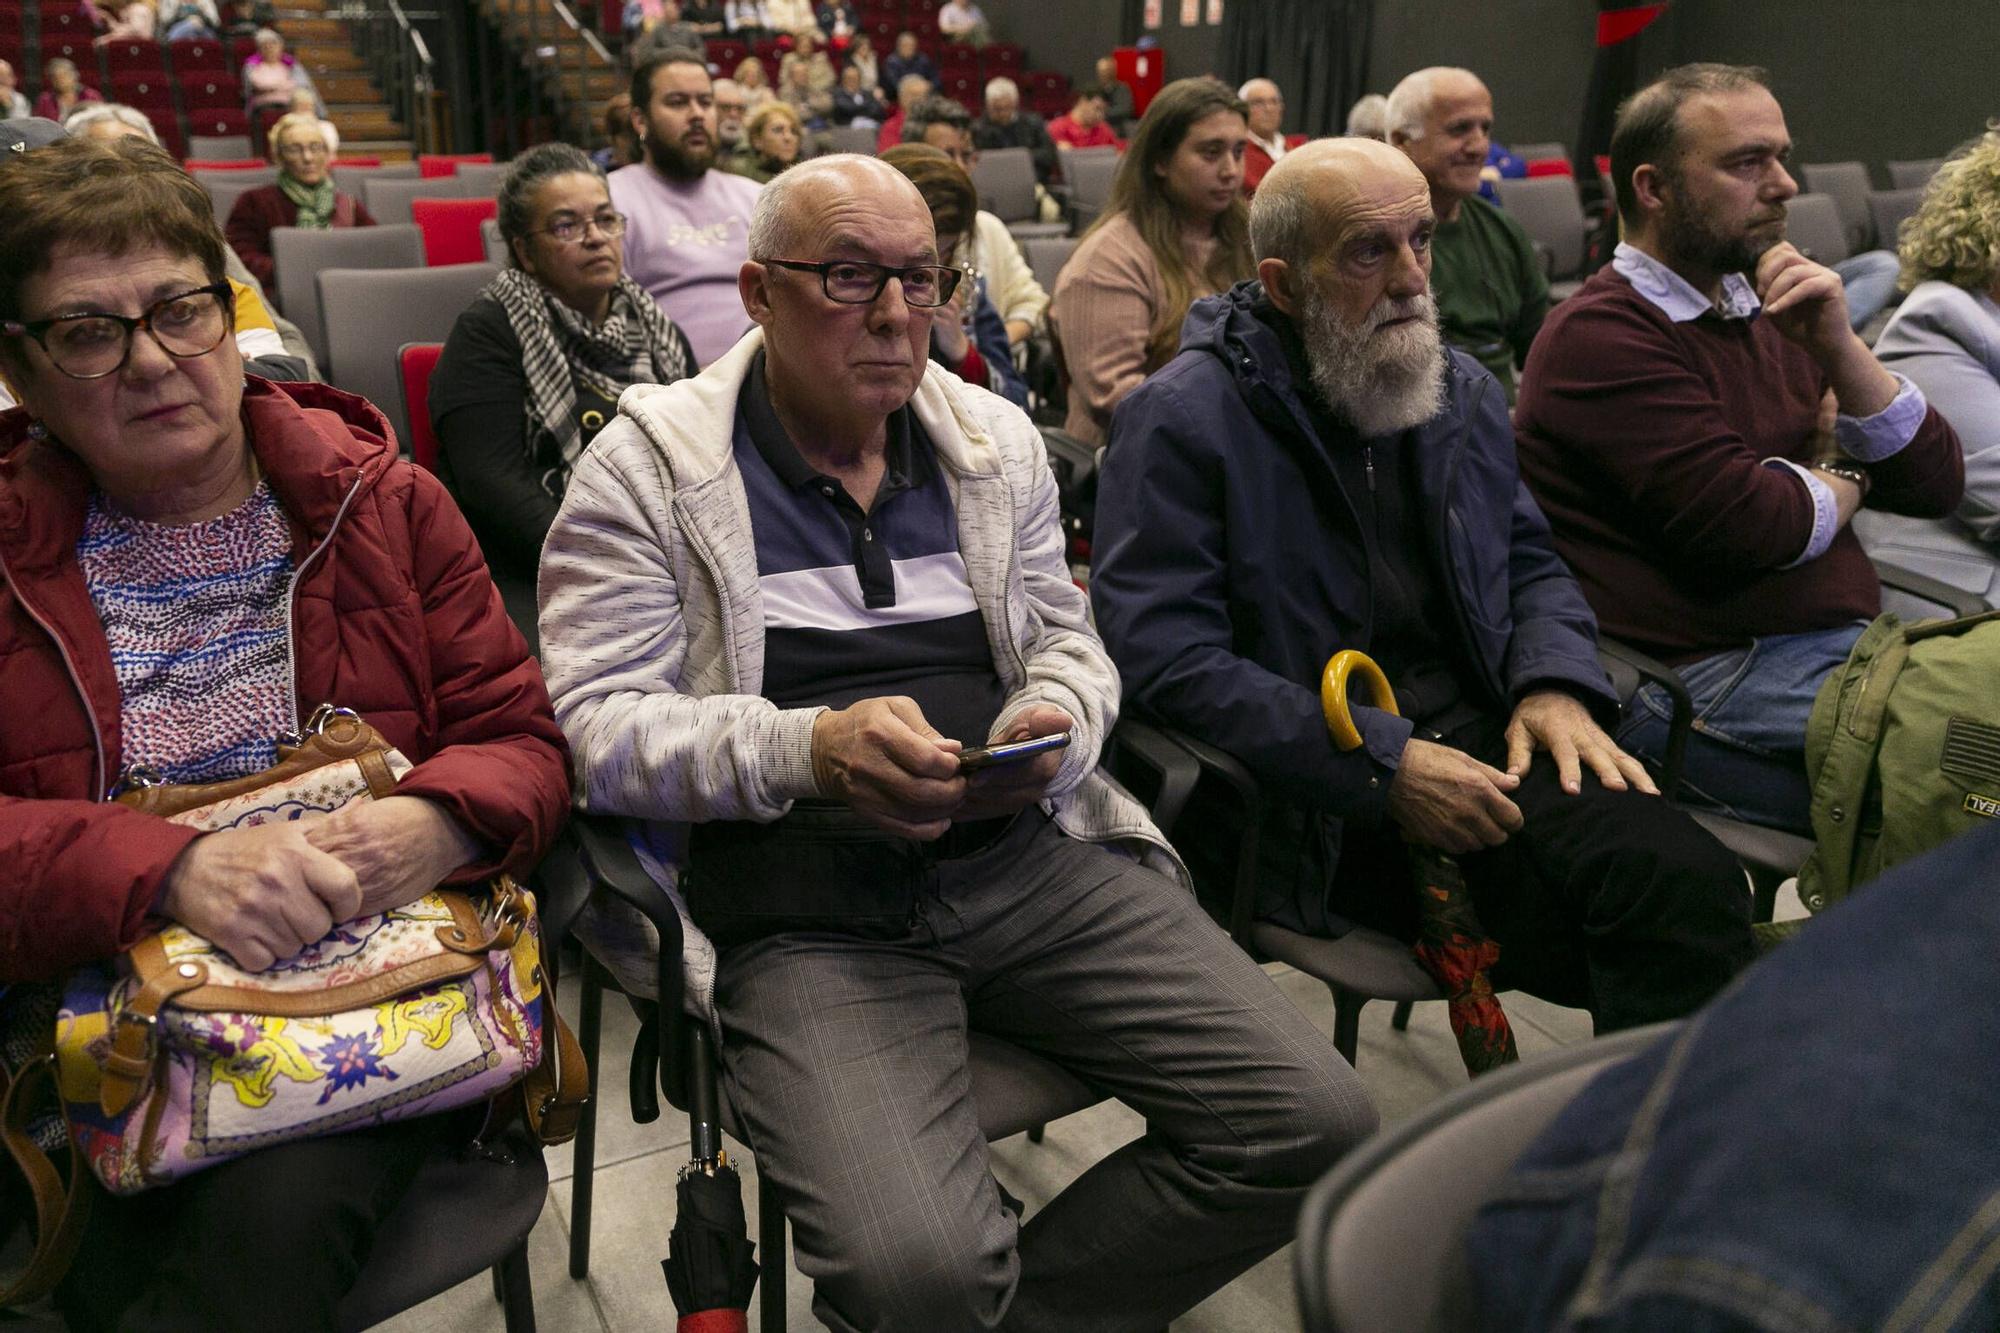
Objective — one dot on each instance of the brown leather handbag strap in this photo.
(59, 1212)
(555, 1091)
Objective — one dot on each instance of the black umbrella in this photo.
(710, 1265)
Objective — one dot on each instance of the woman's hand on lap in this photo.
(399, 848)
(260, 894)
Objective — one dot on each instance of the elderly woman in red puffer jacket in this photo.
(189, 561)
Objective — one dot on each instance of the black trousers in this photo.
(271, 1240)
(1616, 902)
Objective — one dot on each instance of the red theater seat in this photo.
(431, 165)
(451, 229)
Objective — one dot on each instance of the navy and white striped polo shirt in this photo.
(863, 604)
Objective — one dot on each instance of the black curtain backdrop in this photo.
(1317, 50)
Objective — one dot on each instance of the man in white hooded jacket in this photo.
(780, 600)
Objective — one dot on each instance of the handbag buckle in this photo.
(136, 777)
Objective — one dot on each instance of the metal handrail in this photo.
(562, 87)
(401, 61)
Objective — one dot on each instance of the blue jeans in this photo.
(1870, 280)
(1815, 1150)
(1746, 751)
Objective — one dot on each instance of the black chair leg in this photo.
(1764, 886)
(771, 1258)
(1347, 1006)
(517, 1290)
(583, 1159)
(1400, 1020)
(1035, 1134)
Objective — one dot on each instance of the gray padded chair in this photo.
(480, 180)
(496, 248)
(1847, 184)
(1089, 172)
(226, 187)
(1914, 175)
(1005, 179)
(1538, 152)
(301, 254)
(852, 139)
(350, 179)
(1548, 207)
(1888, 208)
(1046, 255)
(389, 199)
(221, 148)
(371, 312)
(1381, 1245)
(1813, 225)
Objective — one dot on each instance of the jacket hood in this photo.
(313, 442)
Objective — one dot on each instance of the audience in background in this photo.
(904, 61)
(534, 366)
(1085, 126)
(1174, 229)
(166, 505)
(1118, 108)
(63, 90)
(1315, 472)
(839, 23)
(1945, 338)
(855, 102)
(745, 19)
(1003, 124)
(771, 144)
(805, 82)
(903, 529)
(945, 125)
(623, 150)
(12, 100)
(968, 337)
(1268, 141)
(1671, 425)
(667, 30)
(272, 74)
(305, 102)
(187, 20)
(136, 21)
(731, 107)
(790, 18)
(861, 59)
(245, 18)
(303, 196)
(964, 21)
(687, 227)
(753, 82)
(107, 122)
(1492, 291)
(706, 18)
(910, 93)
(1368, 118)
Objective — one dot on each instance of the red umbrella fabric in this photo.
(1451, 944)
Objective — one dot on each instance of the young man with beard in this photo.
(1316, 471)
(687, 227)
(1700, 423)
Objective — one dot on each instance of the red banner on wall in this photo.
(1619, 25)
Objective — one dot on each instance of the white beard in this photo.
(1384, 383)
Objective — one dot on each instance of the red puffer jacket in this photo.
(393, 615)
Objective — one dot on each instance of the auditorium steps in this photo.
(354, 103)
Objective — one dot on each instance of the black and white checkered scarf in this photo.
(636, 344)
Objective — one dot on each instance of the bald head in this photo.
(793, 208)
(1307, 198)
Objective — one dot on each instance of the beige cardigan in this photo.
(1107, 298)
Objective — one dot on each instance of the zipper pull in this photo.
(1368, 461)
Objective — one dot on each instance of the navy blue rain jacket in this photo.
(1229, 563)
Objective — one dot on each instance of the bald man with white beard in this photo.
(1317, 471)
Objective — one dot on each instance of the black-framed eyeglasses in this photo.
(858, 282)
(571, 230)
(92, 344)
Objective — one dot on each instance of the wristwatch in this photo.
(1858, 475)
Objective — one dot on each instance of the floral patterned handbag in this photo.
(172, 1059)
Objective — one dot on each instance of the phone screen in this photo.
(991, 756)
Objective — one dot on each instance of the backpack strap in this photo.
(1843, 737)
(60, 1211)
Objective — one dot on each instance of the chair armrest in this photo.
(615, 868)
(1230, 770)
(561, 887)
(1627, 666)
(1177, 770)
(1956, 601)
(1073, 459)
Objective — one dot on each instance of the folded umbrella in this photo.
(710, 1265)
(1451, 944)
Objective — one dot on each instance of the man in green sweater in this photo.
(1490, 287)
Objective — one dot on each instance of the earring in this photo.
(37, 431)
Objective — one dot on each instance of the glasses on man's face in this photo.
(301, 151)
(857, 282)
(569, 231)
(92, 344)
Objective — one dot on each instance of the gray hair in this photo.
(1410, 101)
(1369, 118)
(904, 84)
(60, 63)
(261, 33)
(1281, 220)
(1002, 87)
(773, 224)
(934, 111)
(529, 172)
(81, 119)
(1243, 93)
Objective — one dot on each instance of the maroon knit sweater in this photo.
(1643, 440)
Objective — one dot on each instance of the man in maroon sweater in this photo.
(1700, 423)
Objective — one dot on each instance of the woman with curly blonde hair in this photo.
(1946, 338)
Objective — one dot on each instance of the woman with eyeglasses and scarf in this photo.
(303, 196)
(534, 366)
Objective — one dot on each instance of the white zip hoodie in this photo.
(652, 625)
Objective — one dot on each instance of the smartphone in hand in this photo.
(992, 756)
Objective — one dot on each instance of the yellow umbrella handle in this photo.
(1333, 694)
